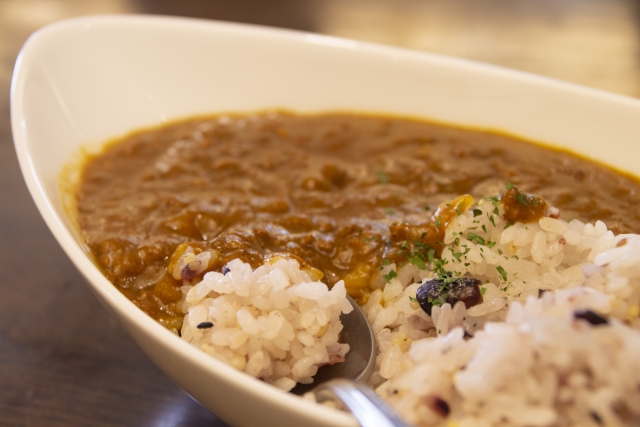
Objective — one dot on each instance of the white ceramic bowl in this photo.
(90, 79)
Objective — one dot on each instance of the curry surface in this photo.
(342, 192)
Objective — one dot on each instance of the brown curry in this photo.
(343, 193)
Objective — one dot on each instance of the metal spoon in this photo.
(344, 382)
(361, 401)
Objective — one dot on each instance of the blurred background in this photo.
(63, 361)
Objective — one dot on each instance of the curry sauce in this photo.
(345, 194)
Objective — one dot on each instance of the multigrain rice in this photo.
(274, 323)
(541, 367)
(527, 360)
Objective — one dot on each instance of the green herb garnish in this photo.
(502, 273)
(435, 301)
(475, 238)
(456, 255)
(431, 255)
(522, 199)
(385, 262)
(390, 275)
(418, 262)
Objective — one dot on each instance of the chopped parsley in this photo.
(457, 255)
(388, 211)
(438, 268)
(390, 275)
(520, 196)
(383, 178)
(492, 199)
(483, 290)
(421, 245)
(438, 222)
(525, 200)
(431, 255)
(477, 212)
(385, 262)
(502, 273)
(418, 262)
(475, 238)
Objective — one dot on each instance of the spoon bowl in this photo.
(361, 358)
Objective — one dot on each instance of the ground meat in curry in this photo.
(344, 193)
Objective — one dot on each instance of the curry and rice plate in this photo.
(491, 306)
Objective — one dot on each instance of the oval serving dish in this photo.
(90, 79)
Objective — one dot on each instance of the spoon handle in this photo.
(364, 404)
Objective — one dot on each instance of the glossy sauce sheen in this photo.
(341, 192)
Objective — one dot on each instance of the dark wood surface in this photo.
(63, 360)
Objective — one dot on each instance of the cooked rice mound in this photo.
(516, 359)
(274, 323)
(542, 367)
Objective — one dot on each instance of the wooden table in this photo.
(63, 360)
